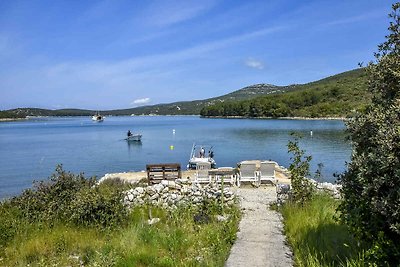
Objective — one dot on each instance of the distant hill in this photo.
(176, 108)
(336, 96)
(348, 88)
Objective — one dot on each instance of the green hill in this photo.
(337, 95)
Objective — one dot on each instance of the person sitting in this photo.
(202, 152)
(129, 133)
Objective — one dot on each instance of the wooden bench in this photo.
(164, 171)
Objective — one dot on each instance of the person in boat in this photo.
(210, 153)
(129, 133)
(202, 152)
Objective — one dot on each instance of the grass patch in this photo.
(316, 237)
(177, 240)
(69, 221)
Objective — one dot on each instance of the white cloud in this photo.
(255, 64)
(141, 101)
(166, 13)
(362, 17)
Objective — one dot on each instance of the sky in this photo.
(116, 54)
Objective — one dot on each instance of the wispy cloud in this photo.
(253, 63)
(166, 13)
(362, 17)
(141, 101)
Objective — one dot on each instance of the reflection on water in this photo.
(31, 150)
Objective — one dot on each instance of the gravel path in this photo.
(260, 241)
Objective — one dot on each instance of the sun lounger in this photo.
(267, 172)
(202, 172)
(247, 172)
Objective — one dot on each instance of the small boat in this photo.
(98, 117)
(199, 154)
(134, 137)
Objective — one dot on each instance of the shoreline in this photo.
(202, 117)
(276, 118)
(12, 119)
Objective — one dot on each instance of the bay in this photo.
(30, 150)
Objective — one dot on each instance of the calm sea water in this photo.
(30, 150)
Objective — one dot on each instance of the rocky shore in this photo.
(171, 194)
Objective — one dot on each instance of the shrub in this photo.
(302, 188)
(101, 205)
(9, 223)
(50, 200)
(371, 192)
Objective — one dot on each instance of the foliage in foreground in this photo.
(316, 237)
(302, 188)
(99, 231)
(371, 205)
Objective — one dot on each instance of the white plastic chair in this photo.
(228, 177)
(267, 172)
(202, 175)
(248, 172)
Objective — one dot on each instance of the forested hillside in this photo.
(335, 96)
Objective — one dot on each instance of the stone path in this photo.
(260, 241)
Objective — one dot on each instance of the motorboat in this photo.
(134, 137)
(201, 153)
(98, 117)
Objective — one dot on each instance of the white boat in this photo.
(201, 153)
(134, 137)
(98, 117)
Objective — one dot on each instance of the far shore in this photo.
(11, 119)
(276, 118)
(204, 117)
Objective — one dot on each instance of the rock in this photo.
(228, 194)
(150, 190)
(197, 200)
(167, 183)
(158, 187)
(153, 221)
(155, 196)
(197, 193)
(221, 218)
(165, 190)
(140, 190)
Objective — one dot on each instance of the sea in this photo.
(31, 149)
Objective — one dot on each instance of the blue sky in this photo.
(125, 53)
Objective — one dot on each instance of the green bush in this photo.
(70, 198)
(302, 188)
(371, 191)
(10, 220)
(101, 205)
(49, 201)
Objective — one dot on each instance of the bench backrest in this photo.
(163, 171)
